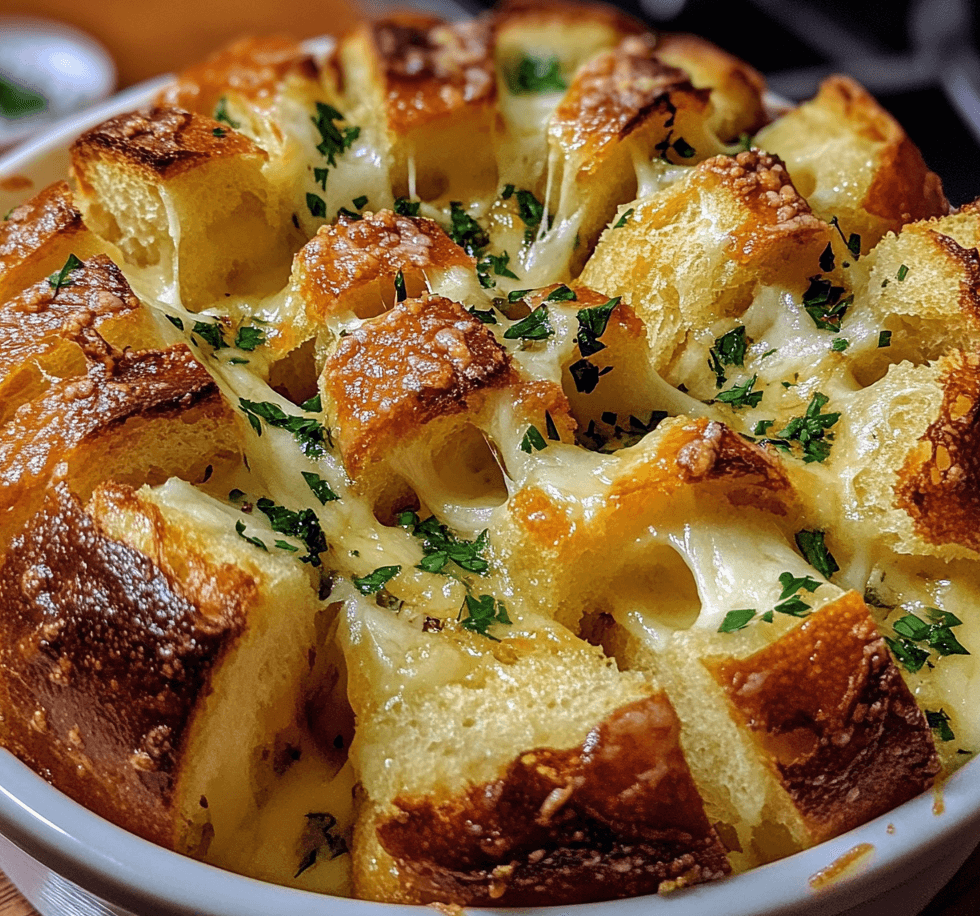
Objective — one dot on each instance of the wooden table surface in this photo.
(961, 897)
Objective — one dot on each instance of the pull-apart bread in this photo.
(490, 463)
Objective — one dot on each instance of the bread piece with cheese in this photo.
(134, 417)
(155, 664)
(907, 454)
(852, 160)
(680, 271)
(424, 90)
(583, 795)
(37, 238)
(186, 199)
(48, 328)
(538, 49)
(922, 287)
(288, 101)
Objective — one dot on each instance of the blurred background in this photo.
(919, 57)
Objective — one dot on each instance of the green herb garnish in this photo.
(59, 279)
(255, 542)
(534, 75)
(736, 620)
(813, 548)
(586, 375)
(333, 141)
(406, 207)
(533, 440)
(211, 333)
(317, 205)
(823, 303)
(321, 489)
(248, 338)
(624, 219)
(535, 326)
(739, 396)
(592, 325)
(441, 546)
(729, 350)
(939, 722)
(221, 114)
(308, 432)
(482, 613)
(466, 231)
(884, 339)
(375, 581)
(302, 524)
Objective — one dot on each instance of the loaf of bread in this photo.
(504, 462)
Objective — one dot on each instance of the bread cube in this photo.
(425, 90)
(680, 270)
(133, 631)
(183, 196)
(852, 160)
(593, 803)
(37, 238)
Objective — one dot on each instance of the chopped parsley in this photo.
(561, 294)
(810, 431)
(316, 205)
(466, 231)
(550, 427)
(482, 613)
(736, 620)
(853, 241)
(531, 212)
(485, 315)
(813, 548)
(312, 405)
(903, 272)
(401, 294)
(498, 264)
(762, 427)
(221, 114)
(939, 722)
(348, 213)
(375, 581)
(592, 325)
(840, 344)
(211, 333)
(884, 339)
(729, 350)
(441, 546)
(508, 192)
(680, 146)
(360, 202)
(534, 75)
(683, 148)
(248, 338)
(219, 132)
(795, 607)
(321, 489)
(916, 637)
(792, 584)
(624, 219)
(308, 432)
(406, 207)
(535, 326)
(320, 177)
(303, 525)
(824, 303)
(827, 259)
(59, 279)
(516, 295)
(586, 375)
(533, 440)
(255, 542)
(333, 140)
(621, 436)
(739, 396)
(320, 837)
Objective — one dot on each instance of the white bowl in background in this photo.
(67, 860)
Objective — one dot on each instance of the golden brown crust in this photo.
(58, 434)
(619, 816)
(34, 223)
(760, 181)
(431, 68)
(829, 705)
(707, 452)
(252, 68)
(968, 261)
(105, 660)
(425, 358)
(40, 317)
(903, 188)
(163, 142)
(614, 94)
(939, 484)
(346, 264)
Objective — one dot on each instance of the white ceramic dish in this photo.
(66, 860)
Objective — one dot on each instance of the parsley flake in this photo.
(813, 548)
(508, 192)
(533, 440)
(248, 338)
(320, 177)
(401, 294)
(255, 542)
(903, 272)
(320, 837)
(211, 333)
(303, 525)
(884, 339)
(795, 607)
(59, 279)
(624, 219)
(333, 141)
(792, 584)
(308, 432)
(482, 613)
(741, 395)
(823, 303)
(810, 431)
(321, 489)
(550, 427)
(736, 620)
(375, 581)
(937, 636)
(531, 212)
(535, 75)
(840, 344)
(561, 294)
(586, 375)
(406, 207)
(466, 231)
(498, 264)
(360, 202)
(317, 205)
(485, 315)
(592, 324)
(535, 326)
(441, 546)
(827, 259)
(728, 350)
(939, 722)
(219, 132)
(221, 114)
